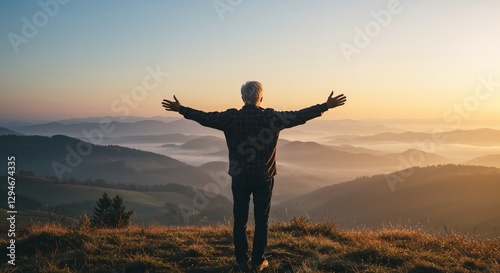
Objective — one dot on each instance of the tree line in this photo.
(101, 183)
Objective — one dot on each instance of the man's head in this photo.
(251, 93)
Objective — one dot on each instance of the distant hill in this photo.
(463, 198)
(169, 138)
(13, 124)
(355, 150)
(205, 143)
(167, 125)
(341, 127)
(161, 207)
(72, 158)
(127, 119)
(290, 181)
(478, 137)
(116, 128)
(315, 155)
(307, 166)
(5, 131)
(415, 156)
(487, 160)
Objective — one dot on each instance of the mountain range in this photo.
(64, 157)
(315, 155)
(487, 160)
(176, 204)
(5, 131)
(89, 130)
(452, 197)
(478, 137)
(425, 192)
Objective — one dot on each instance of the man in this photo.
(251, 136)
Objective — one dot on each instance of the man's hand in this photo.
(171, 105)
(335, 101)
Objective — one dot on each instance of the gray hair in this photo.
(251, 92)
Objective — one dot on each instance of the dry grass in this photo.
(307, 247)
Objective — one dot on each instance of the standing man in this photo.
(251, 136)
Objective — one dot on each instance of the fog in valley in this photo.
(355, 173)
(325, 152)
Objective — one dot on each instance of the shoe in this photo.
(262, 266)
(242, 266)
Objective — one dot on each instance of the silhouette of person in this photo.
(251, 135)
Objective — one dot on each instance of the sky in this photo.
(392, 59)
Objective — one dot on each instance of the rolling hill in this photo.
(116, 128)
(419, 158)
(162, 207)
(487, 160)
(342, 127)
(127, 119)
(66, 157)
(205, 143)
(478, 137)
(166, 138)
(459, 197)
(355, 150)
(5, 131)
(289, 182)
(315, 155)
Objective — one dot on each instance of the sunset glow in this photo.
(404, 59)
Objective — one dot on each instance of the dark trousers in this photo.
(262, 204)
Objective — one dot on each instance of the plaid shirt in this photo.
(251, 136)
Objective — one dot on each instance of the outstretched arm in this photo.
(335, 101)
(216, 120)
(171, 105)
(294, 118)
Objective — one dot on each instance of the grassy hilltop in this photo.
(307, 247)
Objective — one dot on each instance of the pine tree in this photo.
(111, 213)
(119, 217)
(102, 213)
